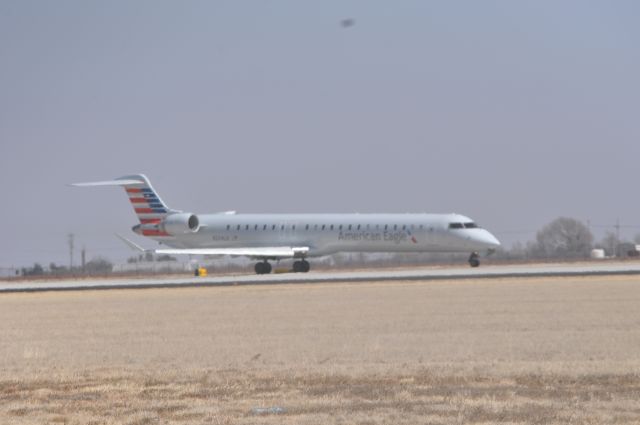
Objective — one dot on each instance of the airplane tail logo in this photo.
(146, 203)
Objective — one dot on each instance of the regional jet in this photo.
(272, 237)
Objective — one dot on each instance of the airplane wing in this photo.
(257, 252)
(260, 252)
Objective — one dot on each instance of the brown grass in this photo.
(500, 351)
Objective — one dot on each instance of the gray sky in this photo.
(510, 112)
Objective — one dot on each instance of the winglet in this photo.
(131, 244)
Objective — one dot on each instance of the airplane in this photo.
(273, 237)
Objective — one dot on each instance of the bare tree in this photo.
(609, 243)
(564, 237)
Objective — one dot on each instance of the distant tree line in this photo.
(149, 257)
(568, 238)
(97, 266)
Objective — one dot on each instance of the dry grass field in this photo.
(561, 350)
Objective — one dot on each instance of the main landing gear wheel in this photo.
(474, 260)
(301, 266)
(263, 267)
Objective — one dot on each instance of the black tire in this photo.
(305, 266)
(474, 260)
(259, 268)
(267, 267)
(297, 266)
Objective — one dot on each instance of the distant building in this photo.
(627, 249)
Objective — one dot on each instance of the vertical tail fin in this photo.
(146, 203)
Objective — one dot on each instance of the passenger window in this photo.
(315, 227)
(264, 227)
(293, 227)
(238, 228)
(358, 227)
(395, 227)
(331, 227)
(306, 227)
(340, 227)
(228, 226)
(273, 227)
(386, 226)
(282, 227)
(349, 227)
(255, 227)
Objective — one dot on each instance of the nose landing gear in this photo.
(474, 259)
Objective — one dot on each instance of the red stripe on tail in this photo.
(150, 220)
(154, 233)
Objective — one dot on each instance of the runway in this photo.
(413, 274)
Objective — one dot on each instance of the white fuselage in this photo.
(278, 236)
(326, 234)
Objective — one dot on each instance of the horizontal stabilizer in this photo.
(109, 183)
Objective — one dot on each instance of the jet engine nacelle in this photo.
(180, 223)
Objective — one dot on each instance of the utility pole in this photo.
(70, 241)
(83, 257)
(617, 236)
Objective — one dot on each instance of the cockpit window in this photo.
(456, 226)
(470, 226)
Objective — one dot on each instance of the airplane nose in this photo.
(490, 240)
(484, 239)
